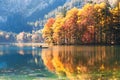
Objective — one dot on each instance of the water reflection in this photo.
(23, 62)
(84, 62)
(14, 56)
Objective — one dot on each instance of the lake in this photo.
(60, 63)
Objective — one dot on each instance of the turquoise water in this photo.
(22, 63)
(60, 63)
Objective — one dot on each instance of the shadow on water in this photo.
(84, 62)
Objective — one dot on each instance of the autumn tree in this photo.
(70, 26)
(86, 23)
(58, 33)
(92, 24)
(115, 22)
(47, 30)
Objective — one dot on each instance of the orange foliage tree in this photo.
(47, 30)
(92, 24)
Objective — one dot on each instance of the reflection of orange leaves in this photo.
(50, 65)
(70, 68)
(119, 5)
(47, 59)
(57, 63)
(102, 67)
(81, 69)
(70, 61)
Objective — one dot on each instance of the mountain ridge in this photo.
(16, 13)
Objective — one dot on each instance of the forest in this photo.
(91, 24)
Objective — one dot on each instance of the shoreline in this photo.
(46, 45)
(31, 44)
(26, 44)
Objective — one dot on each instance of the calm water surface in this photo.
(60, 63)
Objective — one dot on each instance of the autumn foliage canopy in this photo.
(92, 24)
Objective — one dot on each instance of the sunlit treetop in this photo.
(50, 22)
(87, 6)
(71, 12)
(103, 5)
(58, 24)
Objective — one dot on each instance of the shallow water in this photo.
(22, 63)
(60, 63)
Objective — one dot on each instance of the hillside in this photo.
(14, 14)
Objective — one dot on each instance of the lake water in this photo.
(60, 63)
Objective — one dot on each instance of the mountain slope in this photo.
(14, 14)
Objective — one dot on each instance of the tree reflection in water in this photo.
(83, 62)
